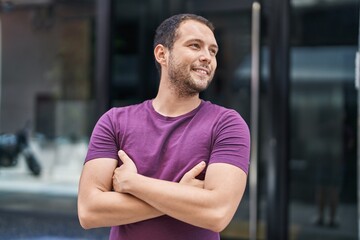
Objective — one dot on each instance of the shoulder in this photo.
(227, 123)
(231, 138)
(116, 112)
(117, 116)
(215, 108)
(222, 114)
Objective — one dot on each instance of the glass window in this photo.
(133, 73)
(323, 120)
(46, 115)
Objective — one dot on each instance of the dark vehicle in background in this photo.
(15, 145)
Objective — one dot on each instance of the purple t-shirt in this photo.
(166, 148)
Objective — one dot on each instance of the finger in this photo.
(198, 183)
(195, 171)
(124, 157)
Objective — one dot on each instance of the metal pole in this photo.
(103, 62)
(254, 121)
(0, 71)
(278, 161)
(357, 83)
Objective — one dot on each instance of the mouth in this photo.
(202, 71)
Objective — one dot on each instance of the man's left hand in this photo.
(121, 174)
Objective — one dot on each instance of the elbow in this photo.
(84, 221)
(85, 218)
(218, 226)
(84, 225)
(218, 221)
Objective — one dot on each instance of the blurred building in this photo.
(65, 62)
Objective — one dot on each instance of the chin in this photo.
(201, 88)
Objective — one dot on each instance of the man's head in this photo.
(167, 32)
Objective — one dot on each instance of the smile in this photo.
(202, 71)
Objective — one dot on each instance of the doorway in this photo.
(236, 85)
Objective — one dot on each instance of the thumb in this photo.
(195, 171)
(124, 157)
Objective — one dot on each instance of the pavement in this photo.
(25, 216)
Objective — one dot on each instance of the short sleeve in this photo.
(232, 141)
(103, 143)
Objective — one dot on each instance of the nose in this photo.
(205, 56)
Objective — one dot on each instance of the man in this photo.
(182, 166)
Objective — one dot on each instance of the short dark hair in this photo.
(166, 34)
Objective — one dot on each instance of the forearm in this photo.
(210, 205)
(196, 206)
(105, 209)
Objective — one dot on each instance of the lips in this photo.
(202, 70)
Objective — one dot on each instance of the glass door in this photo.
(236, 83)
(236, 86)
(324, 121)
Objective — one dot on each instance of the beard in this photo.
(182, 82)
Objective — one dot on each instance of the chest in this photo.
(167, 151)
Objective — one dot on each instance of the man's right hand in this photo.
(190, 177)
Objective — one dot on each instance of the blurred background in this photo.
(65, 62)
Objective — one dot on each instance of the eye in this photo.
(194, 46)
(213, 52)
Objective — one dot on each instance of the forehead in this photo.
(191, 29)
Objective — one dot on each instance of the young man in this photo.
(182, 166)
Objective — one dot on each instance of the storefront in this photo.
(286, 66)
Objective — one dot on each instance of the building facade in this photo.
(287, 66)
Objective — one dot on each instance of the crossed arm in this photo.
(209, 204)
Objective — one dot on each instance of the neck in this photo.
(170, 104)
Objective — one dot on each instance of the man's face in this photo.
(192, 61)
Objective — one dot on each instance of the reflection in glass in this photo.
(46, 88)
(323, 106)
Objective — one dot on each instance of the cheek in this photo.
(214, 65)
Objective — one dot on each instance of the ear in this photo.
(160, 53)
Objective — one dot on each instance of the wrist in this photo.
(129, 181)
